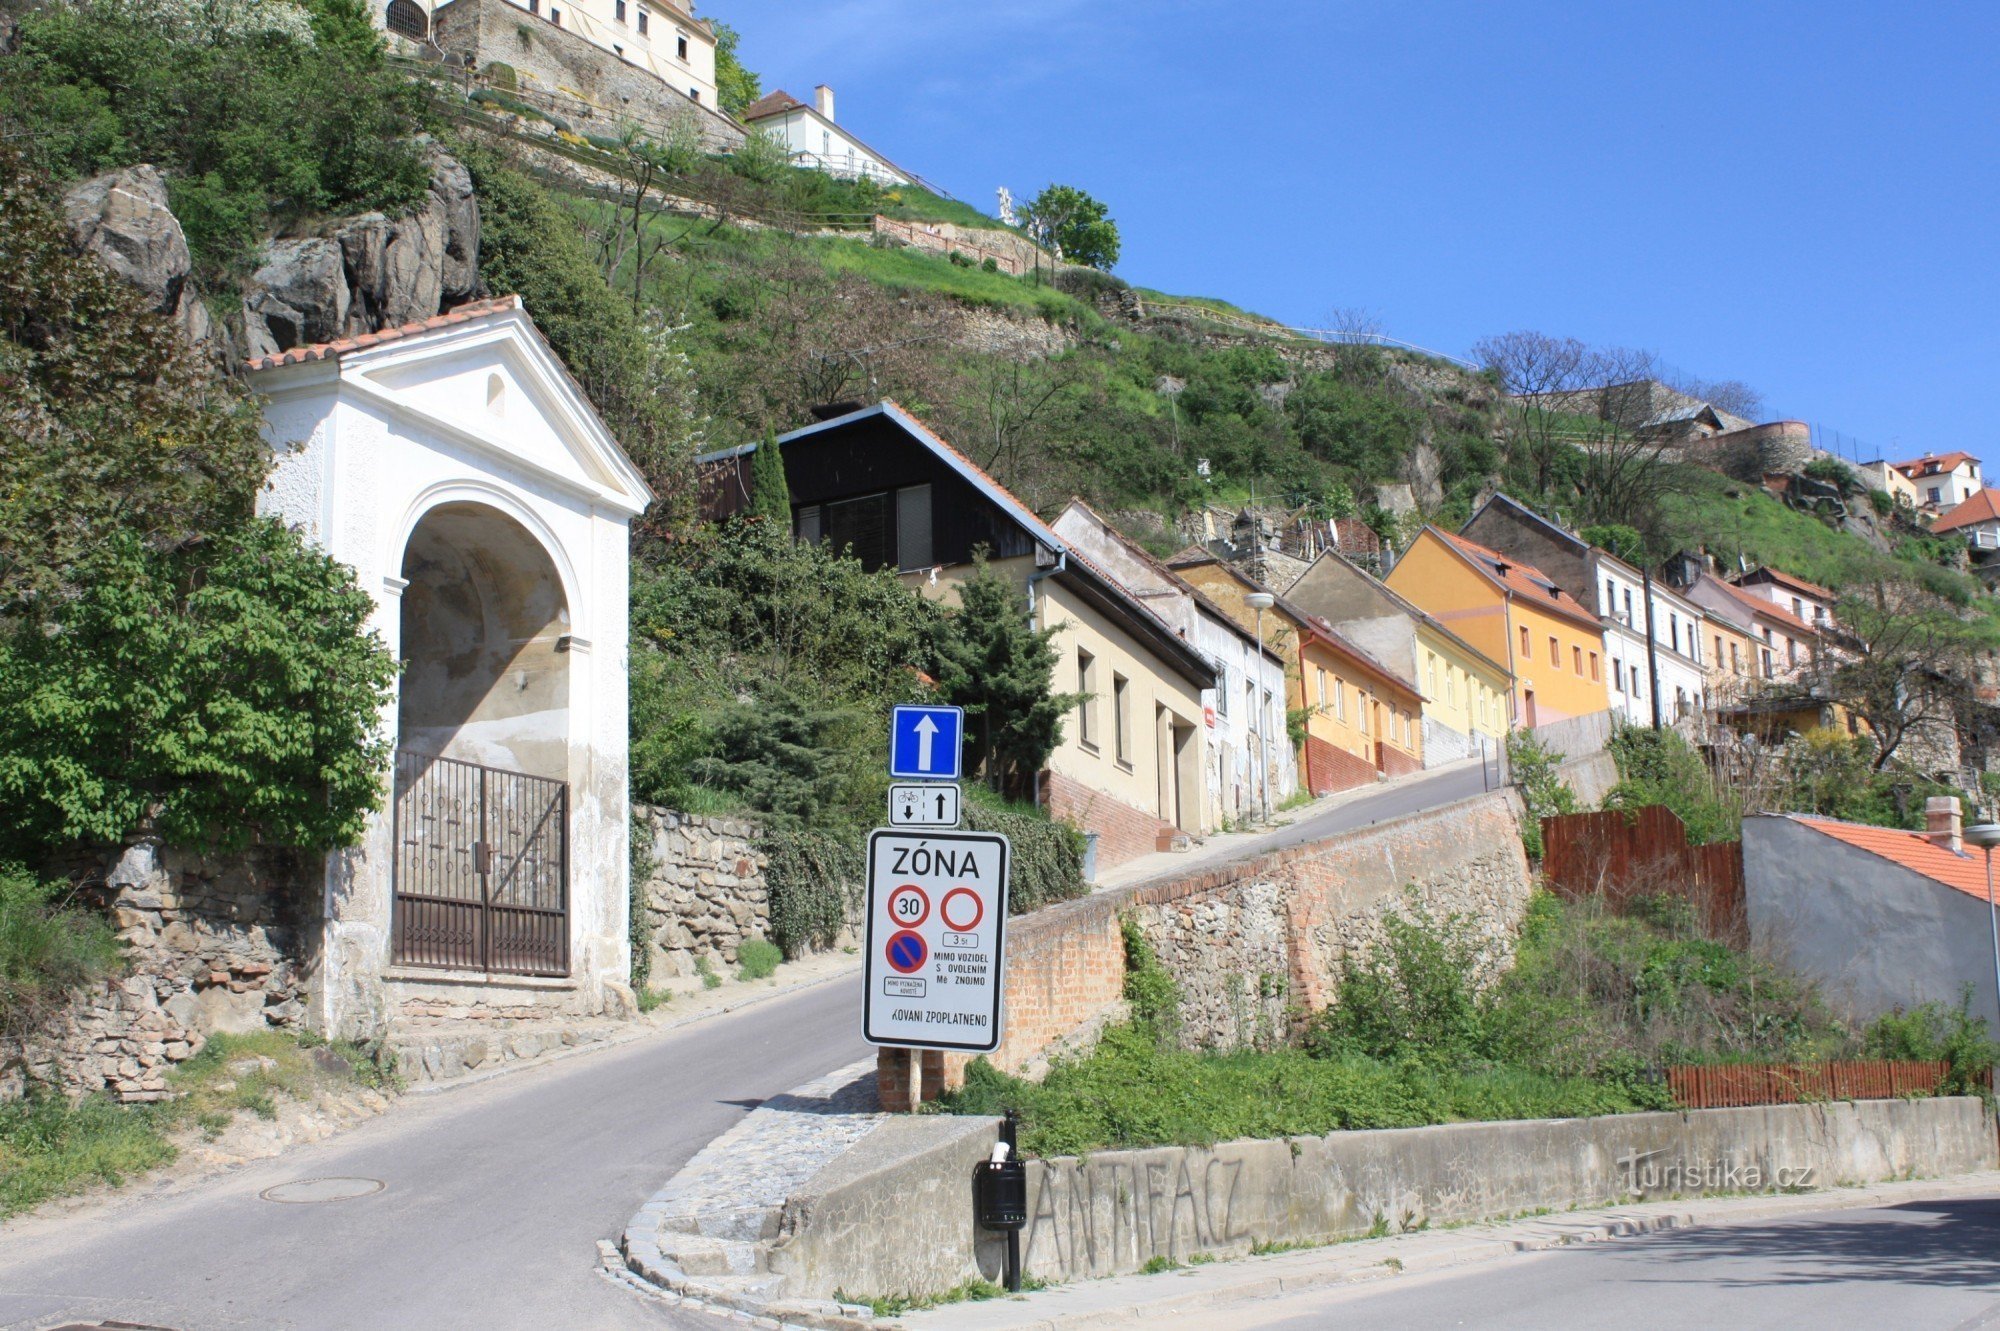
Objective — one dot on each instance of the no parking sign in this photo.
(935, 939)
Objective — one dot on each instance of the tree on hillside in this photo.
(1079, 226)
(1000, 669)
(1730, 395)
(736, 86)
(1905, 662)
(770, 492)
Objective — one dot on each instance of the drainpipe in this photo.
(1034, 579)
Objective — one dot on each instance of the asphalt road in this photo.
(1396, 799)
(496, 1197)
(1920, 1265)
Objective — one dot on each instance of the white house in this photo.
(1942, 480)
(1676, 662)
(1242, 715)
(811, 138)
(1976, 521)
(465, 477)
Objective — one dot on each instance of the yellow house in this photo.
(1732, 658)
(1464, 691)
(1129, 764)
(1511, 613)
(1361, 721)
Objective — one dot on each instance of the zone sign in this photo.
(935, 939)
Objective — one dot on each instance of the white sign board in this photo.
(935, 939)
(923, 806)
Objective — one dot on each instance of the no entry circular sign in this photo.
(907, 952)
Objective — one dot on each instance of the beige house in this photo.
(1129, 767)
(661, 37)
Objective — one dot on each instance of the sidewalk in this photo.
(1222, 847)
(1141, 1300)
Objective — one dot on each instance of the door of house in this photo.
(481, 868)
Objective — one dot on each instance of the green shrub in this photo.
(815, 882)
(50, 1147)
(1659, 767)
(50, 946)
(1047, 861)
(757, 959)
(258, 126)
(1933, 1032)
(1534, 770)
(1150, 990)
(1415, 994)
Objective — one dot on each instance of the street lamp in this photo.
(1986, 836)
(1260, 602)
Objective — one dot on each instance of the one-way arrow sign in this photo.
(923, 806)
(924, 742)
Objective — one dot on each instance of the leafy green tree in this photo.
(736, 86)
(770, 493)
(263, 115)
(1077, 224)
(229, 691)
(1000, 669)
(108, 419)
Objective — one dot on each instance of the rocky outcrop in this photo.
(408, 269)
(297, 296)
(123, 218)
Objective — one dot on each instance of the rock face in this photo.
(373, 272)
(123, 218)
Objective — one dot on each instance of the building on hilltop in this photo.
(1464, 691)
(1250, 761)
(812, 138)
(1361, 720)
(1942, 481)
(1513, 613)
(1129, 768)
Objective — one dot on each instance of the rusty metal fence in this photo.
(1732, 1085)
(481, 868)
(1620, 855)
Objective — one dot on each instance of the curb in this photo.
(1367, 1260)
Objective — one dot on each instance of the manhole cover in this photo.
(323, 1190)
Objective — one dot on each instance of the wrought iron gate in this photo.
(482, 868)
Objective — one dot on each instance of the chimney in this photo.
(1942, 822)
(823, 101)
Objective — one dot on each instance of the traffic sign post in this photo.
(924, 806)
(926, 743)
(935, 939)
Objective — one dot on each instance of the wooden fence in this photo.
(1619, 855)
(1730, 1085)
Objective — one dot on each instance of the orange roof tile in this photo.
(335, 350)
(1521, 578)
(1769, 609)
(1911, 850)
(1796, 584)
(1933, 466)
(1982, 507)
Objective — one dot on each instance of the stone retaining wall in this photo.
(705, 893)
(1255, 941)
(1112, 1213)
(212, 944)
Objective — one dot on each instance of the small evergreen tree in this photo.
(770, 493)
(999, 668)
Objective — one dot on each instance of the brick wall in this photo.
(1334, 768)
(1252, 944)
(1123, 832)
(1397, 763)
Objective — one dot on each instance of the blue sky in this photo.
(1802, 196)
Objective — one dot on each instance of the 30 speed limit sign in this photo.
(936, 939)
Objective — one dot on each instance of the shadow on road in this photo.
(1944, 1244)
(855, 1097)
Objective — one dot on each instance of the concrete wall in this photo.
(1876, 936)
(897, 1217)
(1250, 943)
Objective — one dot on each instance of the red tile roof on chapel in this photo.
(336, 349)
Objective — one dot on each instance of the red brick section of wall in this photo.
(1334, 768)
(1397, 763)
(1123, 832)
